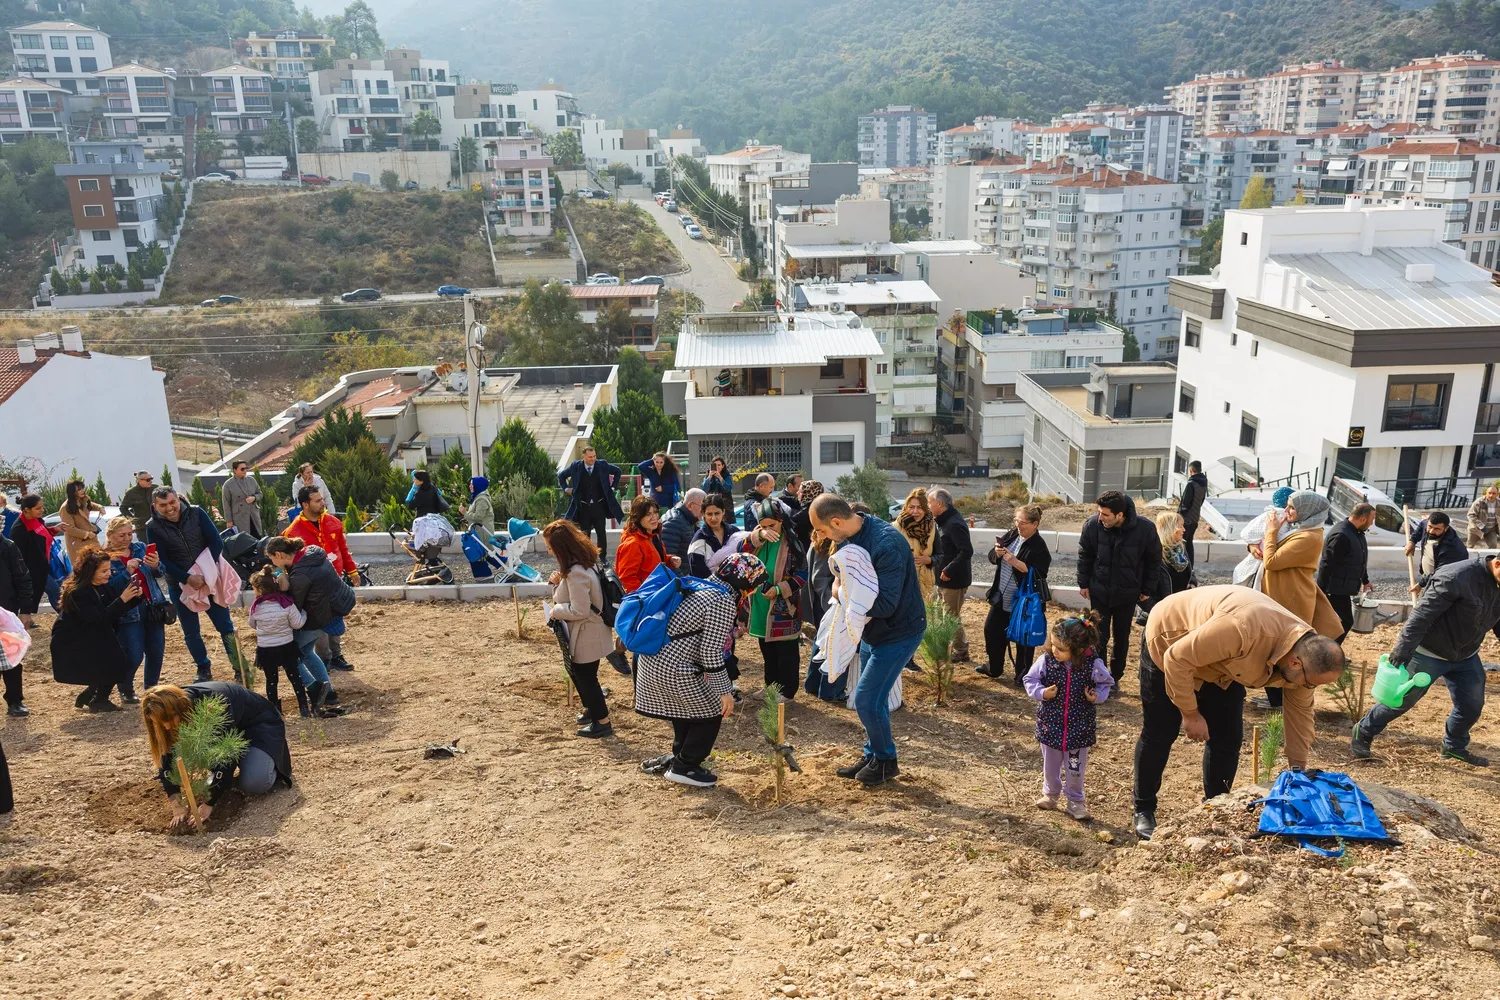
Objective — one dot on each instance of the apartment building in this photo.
(65, 54)
(1455, 92)
(1380, 336)
(241, 99)
(547, 109)
(522, 183)
(1309, 97)
(963, 142)
(115, 194)
(1325, 170)
(904, 317)
(287, 56)
(747, 174)
(776, 392)
(1106, 427)
(846, 244)
(595, 301)
(908, 189)
(1152, 139)
(1216, 102)
(31, 107)
(137, 100)
(637, 148)
(897, 136)
(1100, 237)
(1069, 139)
(811, 194)
(1220, 166)
(1001, 344)
(966, 196)
(1448, 173)
(478, 113)
(682, 142)
(357, 106)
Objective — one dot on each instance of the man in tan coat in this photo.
(1201, 649)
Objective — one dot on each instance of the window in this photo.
(1416, 402)
(88, 183)
(100, 235)
(1143, 475)
(1193, 334)
(88, 64)
(1244, 239)
(94, 212)
(63, 65)
(105, 258)
(58, 42)
(1049, 359)
(1179, 462)
(1234, 339)
(28, 41)
(833, 369)
(882, 369)
(1249, 427)
(1084, 361)
(85, 42)
(1073, 462)
(1187, 396)
(1036, 428)
(1255, 348)
(836, 450)
(1226, 407)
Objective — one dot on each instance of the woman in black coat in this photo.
(35, 542)
(424, 497)
(1016, 552)
(85, 648)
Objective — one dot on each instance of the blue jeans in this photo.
(1465, 679)
(879, 666)
(192, 629)
(314, 671)
(141, 640)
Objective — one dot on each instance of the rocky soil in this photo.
(541, 865)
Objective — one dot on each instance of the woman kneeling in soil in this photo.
(686, 683)
(266, 761)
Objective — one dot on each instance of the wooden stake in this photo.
(187, 791)
(1411, 567)
(1255, 753)
(515, 598)
(1364, 668)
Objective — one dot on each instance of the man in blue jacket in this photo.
(590, 482)
(680, 523)
(181, 532)
(897, 620)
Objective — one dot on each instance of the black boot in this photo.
(317, 692)
(852, 770)
(877, 772)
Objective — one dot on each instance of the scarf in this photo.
(1175, 556)
(810, 491)
(478, 485)
(918, 529)
(35, 524)
(1312, 512)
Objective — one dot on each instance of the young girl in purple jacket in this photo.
(1068, 680)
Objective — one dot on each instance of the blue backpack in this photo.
(1028, 617)
(1308, 804)
(59, 566)
(641, 619)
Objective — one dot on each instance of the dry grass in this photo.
(265, 243)
(622, 237)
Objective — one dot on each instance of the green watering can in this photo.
(1392, 682)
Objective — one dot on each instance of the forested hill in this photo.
(799, 71)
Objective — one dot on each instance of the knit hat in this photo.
(742, 572)
(1281, 496)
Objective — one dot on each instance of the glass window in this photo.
(1187, 397)
(93, 212)
(836, 450)
(88, 183)
(85, 42)
(105, 258)
(1249, 427)
(28, 41)
(1143, 475)
(1415, 406)
(833, 369)
(58, 42)
(1194, 334)
(1073, 462)
(100, 235)
(88, 64)
(63, 65)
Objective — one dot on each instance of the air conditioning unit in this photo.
(836, 307)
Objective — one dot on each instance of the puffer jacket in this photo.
(1117, 565)
(1458, 606)
(318, 589)
(1193, 494)
(677, 528)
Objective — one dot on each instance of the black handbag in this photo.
(160, 614)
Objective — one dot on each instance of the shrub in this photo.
(75, 285)
(395, 515)
(96, 286)
(390, 180)
(867, 484)
(942, 627)
(342, 202)
(1272, 735)
(111, 283)
(133, 282)
(515, 452)
(514, 498)
(360, 472)
(933, 455)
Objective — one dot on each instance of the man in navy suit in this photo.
(590, 483)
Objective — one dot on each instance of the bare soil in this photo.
(542, 865)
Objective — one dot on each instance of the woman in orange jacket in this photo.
(640, 550)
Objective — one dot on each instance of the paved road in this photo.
(480, 293)
(710, 277)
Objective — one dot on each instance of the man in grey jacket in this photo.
(1458, 606)
(239, 502)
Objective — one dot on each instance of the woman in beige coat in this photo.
(578, 600)
(77, 529)
(916, 523)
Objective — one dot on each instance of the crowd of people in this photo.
(790, 567)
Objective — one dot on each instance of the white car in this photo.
(694, 231)
(604, 279)
(215, 176)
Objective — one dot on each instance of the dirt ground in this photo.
(542, 865)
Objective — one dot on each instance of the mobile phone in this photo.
(150, 548)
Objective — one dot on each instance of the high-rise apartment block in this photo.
(897, 136)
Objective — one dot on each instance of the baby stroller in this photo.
(430, 534)
(485, 558)
(244, 552)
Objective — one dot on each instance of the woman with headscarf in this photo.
(480, 510)
(1247, 572)
(807, 492)
(774, 617)
(1293, 545)
(686, 683)
(916, 524)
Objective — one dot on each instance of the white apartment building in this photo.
(1150, 140)
(1069, 139)
(65, 54)
(522, 183)
(776, 392)
(847, 244)
(682, 142)
(242, 99)
(966, 196)
(1310, 97)
(897, 136)
(1216, 102)
(1455, 92)
(1452, 174)
(287, 55)
(1001, 344)
(963, 142)
(357, 106)
(748, 174)
(906, 188)
(137, 100)
(637, 148)
(547, 109)
(1221, 164)
(1326, 168)
(1349, 342)
(1102, 238)
(479, 113)
(30, 107)
(904, 317)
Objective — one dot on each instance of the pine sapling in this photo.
(936, 643)
(1346, 692)
(770, 716)
(206, 741)
(1273, 735)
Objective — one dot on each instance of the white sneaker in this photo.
(1078, 811)
(1047, 802)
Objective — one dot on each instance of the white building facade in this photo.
(65, 54)
(897, 136)
(242, 99)
(1452, 174)
(30, 107)
(1349, 342)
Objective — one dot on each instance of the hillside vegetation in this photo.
(800, 71)
(621, 238)
(269, 242)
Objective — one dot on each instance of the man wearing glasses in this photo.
(136, 503)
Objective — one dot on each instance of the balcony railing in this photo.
(925, 379)
(910, 349)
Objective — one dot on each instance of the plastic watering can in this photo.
(1392, 682)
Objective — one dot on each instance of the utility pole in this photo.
(474, 332)
(291, 127)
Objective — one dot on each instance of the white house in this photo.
(776, 392)
(1339, 341)
(66, 54)
(31, 107)
(242, 99)
(548, 109)
(138, 100)
(37, 375)
(637, 148)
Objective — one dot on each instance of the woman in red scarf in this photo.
(35, 542)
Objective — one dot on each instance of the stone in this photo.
(1481, 942)
(1179, 928)
(790, 990)
(967, 974)
(1368, 918)
(1240, 881)
(1086, 914)
(1196, 845)
(1279, 952)
(1209, 939)
(479, 925)
(924, 938)
(1393, 944)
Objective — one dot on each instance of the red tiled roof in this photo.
(1077, 127)
(962, 128)
(614, 291)
(1101, 177)
(1434, 147)
(13, 374)
(376, 392)
(1057, 165)
(1446, 62)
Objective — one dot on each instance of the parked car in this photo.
(288, 175)
(411, 186)
(452, 290)
(216, 175)
(669, 205)
(600, 194)
(172, 175)
(686, 220)
(315, 179)
(228, 300)
(603, 279)
(649, 279)
(209, 303)
(584, 193)
(694, 231)
(361, 295)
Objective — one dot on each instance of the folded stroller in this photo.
(430, 534)
(244, 552)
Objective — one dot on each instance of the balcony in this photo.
(907, 348)
(925, 380)
(915, 409)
